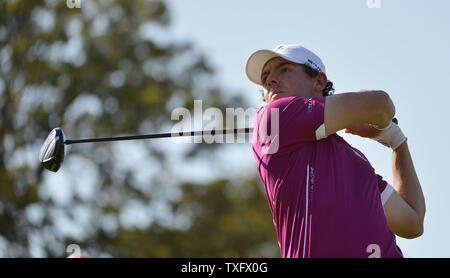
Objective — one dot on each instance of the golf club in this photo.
(51, 154)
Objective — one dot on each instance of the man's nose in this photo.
(272, 81)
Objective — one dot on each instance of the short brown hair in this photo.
(329, 87)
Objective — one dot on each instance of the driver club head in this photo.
(51, 154)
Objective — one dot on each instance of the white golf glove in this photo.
(390, 136)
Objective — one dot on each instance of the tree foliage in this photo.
(104, 70)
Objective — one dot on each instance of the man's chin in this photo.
(279, 96)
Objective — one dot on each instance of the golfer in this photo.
(326, 198)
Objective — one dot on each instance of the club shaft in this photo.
(160, 135)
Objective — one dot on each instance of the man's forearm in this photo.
(406, 182)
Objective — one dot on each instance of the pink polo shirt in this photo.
(325, 197)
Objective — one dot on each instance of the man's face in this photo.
(282, 78)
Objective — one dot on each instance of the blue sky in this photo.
(401, 48)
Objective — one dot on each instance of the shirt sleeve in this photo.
(385, 189)
(292, 121)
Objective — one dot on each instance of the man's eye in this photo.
(284, 70)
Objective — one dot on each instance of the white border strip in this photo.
(306, 213)
(387, 192)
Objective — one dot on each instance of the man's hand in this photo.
(363, 130)
(390, 136)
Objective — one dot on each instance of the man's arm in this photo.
(405, 209)
(351, 109)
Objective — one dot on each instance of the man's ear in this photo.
(320, 82)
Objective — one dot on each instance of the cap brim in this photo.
(256, 62)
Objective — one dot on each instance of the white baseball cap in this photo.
(291, 52)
